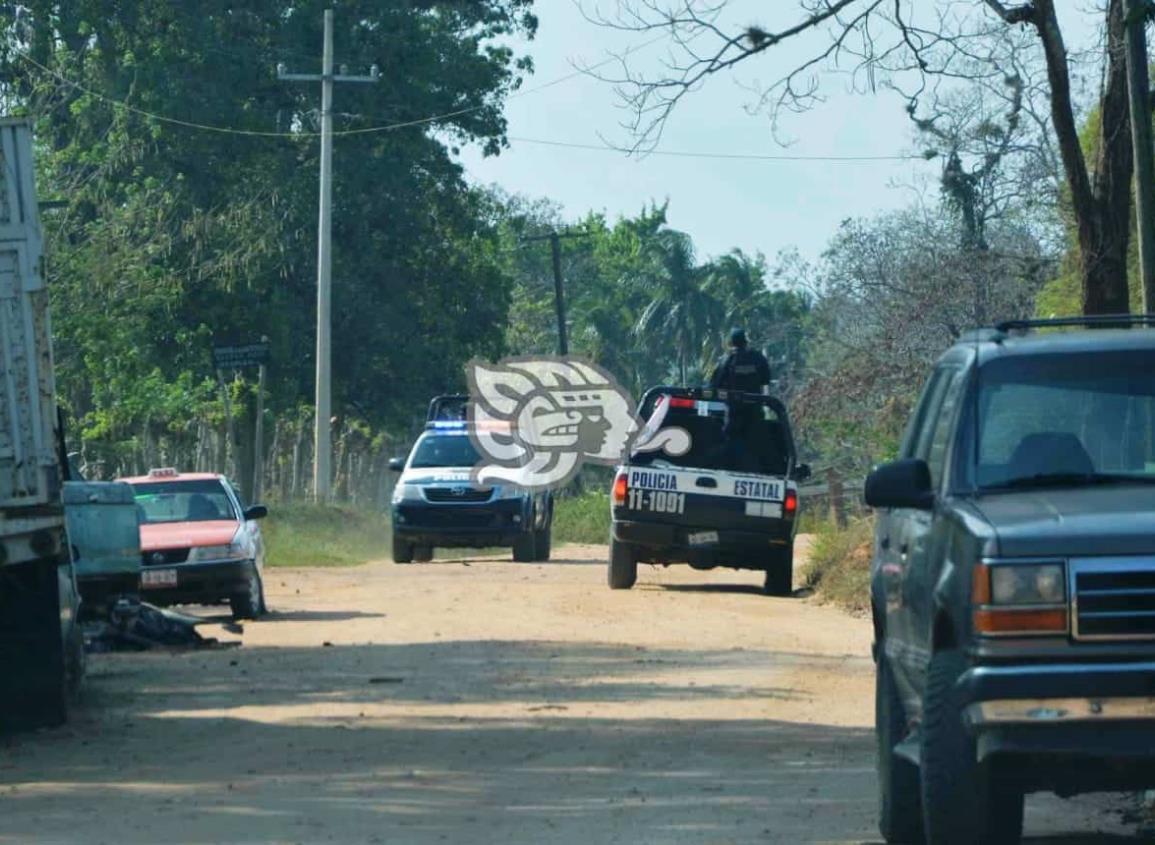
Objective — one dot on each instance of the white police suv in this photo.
(436, 505)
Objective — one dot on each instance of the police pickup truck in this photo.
(437, 505)
(729, 499)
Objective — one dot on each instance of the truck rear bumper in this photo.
(670, 543)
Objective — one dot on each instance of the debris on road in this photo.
(139, 626)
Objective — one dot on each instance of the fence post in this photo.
(837, 500)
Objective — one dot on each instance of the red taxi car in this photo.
(199, 545)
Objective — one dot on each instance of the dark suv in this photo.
(1013, 581)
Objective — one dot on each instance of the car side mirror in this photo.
(256, 512)
(901, 484)
(802, 472)
(397, 464)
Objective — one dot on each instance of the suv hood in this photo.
(1086, 521)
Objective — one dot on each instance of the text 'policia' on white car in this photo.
(730, 500)
(437, 505)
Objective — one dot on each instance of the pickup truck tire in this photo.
(402, 551)
(542, 543)
(623, 571)
(899, 807)
(525, 547)
(780, 575)
(962, 801)
(422, 554)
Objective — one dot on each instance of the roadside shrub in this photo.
(318, 535)
(839, 569)
(582, 519)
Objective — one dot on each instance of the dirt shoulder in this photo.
(477, 700)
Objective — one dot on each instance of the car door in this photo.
(901, 528)
(926, 535)
(251, 527)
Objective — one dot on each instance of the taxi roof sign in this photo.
(163, 472)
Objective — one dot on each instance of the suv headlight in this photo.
(406, 493)
(508, 491)
(1020, 599)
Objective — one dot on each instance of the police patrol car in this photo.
(730, 500)
(436, 504)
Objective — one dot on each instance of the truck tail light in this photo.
(621, 487)
(790, 506)
(996, 614)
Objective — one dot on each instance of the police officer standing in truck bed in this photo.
(744, 370)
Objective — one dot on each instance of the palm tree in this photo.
(680, 310)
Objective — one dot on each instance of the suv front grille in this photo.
(458, 494)
(1114, 600)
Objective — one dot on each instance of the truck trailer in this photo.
(41, 644)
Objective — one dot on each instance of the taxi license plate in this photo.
(703, 538)
(154, 578)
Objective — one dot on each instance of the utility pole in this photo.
(322, 438)
(1138, 86)
(554, 239)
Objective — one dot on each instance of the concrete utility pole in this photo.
(554, 239)
(1138, 86)
(322, 442)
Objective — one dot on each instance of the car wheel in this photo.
(962, 800)
(899, 809)
(402, 551)
(422, 554)
(623, 572)
(525, 547)
(542, 542)
(248, 605)
(780, 575)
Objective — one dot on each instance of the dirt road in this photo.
(482, 701)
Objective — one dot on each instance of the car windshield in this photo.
(758, 447)
(182, 501)
(444, 450)
(1070, 419)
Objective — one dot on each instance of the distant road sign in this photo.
(241, 357)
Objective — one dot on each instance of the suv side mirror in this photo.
(256, 512)
(901, 484)
(802, 472)
(397, 464)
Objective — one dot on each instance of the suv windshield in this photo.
(761, 448)
(444, 450)
(1070, 419)
(182, 501)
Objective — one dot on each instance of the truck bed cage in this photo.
(710, 394)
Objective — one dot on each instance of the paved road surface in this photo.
(483, 701)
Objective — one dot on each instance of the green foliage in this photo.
(310, 535)
(582, 519)
(174, 237)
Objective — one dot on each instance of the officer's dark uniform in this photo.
(745, 371)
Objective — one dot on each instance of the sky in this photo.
(757, 206)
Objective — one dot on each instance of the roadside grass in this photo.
(582, 519)
(839, 570)
(315, 535)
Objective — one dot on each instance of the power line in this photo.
(605, 148)
(226, 130)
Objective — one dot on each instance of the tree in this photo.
(903, 45)
(181, 235)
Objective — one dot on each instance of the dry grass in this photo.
(839, 570)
